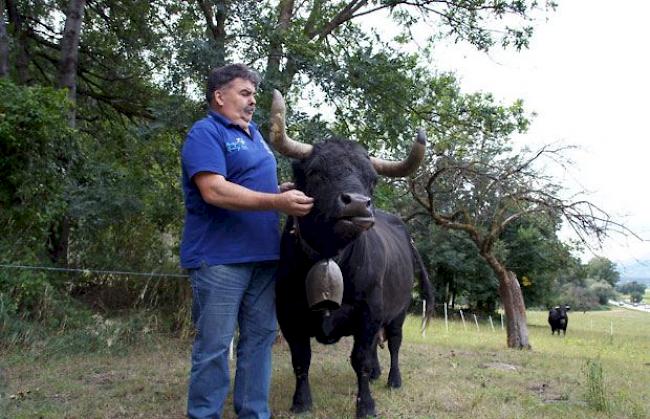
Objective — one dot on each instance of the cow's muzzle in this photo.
(356, 211)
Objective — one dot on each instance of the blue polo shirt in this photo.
(214, 235)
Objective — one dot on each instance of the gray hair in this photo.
(221, 76)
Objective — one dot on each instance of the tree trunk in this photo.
(70, 52)
(59, 240)
(513, 303)
(20, 38)
(216, 22)
(274, 76)
(4, 43)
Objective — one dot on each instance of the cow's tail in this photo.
(426, 290)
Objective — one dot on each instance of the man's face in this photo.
(236, 101)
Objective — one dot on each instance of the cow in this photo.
(372, 249)
(558, 319)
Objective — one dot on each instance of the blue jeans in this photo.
(223, 296)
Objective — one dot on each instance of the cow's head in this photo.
(562, 310)
(341, 177)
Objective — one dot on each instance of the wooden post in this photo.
(446, 321)
(491, 324)
(463, 319)
(476, 321)
(502, 328)
(424, 318)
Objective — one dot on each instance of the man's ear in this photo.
(217, 97)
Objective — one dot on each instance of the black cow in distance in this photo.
(558, 319)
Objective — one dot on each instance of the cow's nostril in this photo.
(369, 203)
(346, 199)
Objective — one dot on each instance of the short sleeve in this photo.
(203, 152)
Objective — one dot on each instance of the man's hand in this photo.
(294, 202)
(286, 186)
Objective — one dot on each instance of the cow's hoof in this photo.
(394, 380)
(375, 373)
(395, 383)
(366, 410)
(300, 408)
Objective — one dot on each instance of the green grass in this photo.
(590, 373)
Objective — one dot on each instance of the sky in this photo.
(586, 74)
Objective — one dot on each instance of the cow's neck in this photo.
(311, 253)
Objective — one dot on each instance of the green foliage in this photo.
(631, 287)
(459, 275)
(603, 269)
(636, 297)
(590, 295)
(141, 73)
(39, 154)
(538, 257)
(595, 393)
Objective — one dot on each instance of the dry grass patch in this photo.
(456, 374)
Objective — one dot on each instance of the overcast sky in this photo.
(587, 76)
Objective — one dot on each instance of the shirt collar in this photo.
(228, 123)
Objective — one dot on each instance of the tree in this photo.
(604, 269)
(636, 297)
(634, 289)
(135, 71)
(4, 43)
(631, 287)
(477, 185)
(533, 251)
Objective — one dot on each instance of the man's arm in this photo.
(217, 191)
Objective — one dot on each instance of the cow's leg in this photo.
(394, 336)
(375, 369)
(361, 360)
(301, 358)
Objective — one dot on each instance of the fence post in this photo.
(476, 321)
(491, 324)
(424, 318)
(446, 322)
(502, 321)
(463, 319)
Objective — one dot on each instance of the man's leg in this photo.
(217, 293)
(257, 331)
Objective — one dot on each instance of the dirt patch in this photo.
(501, 366)
(547, 394)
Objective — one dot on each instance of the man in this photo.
(230, 246)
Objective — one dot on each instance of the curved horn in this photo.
(281, 142)
(406, 166)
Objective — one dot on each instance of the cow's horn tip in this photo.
(421, 137)
(277, 94)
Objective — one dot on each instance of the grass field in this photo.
(601, 369)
